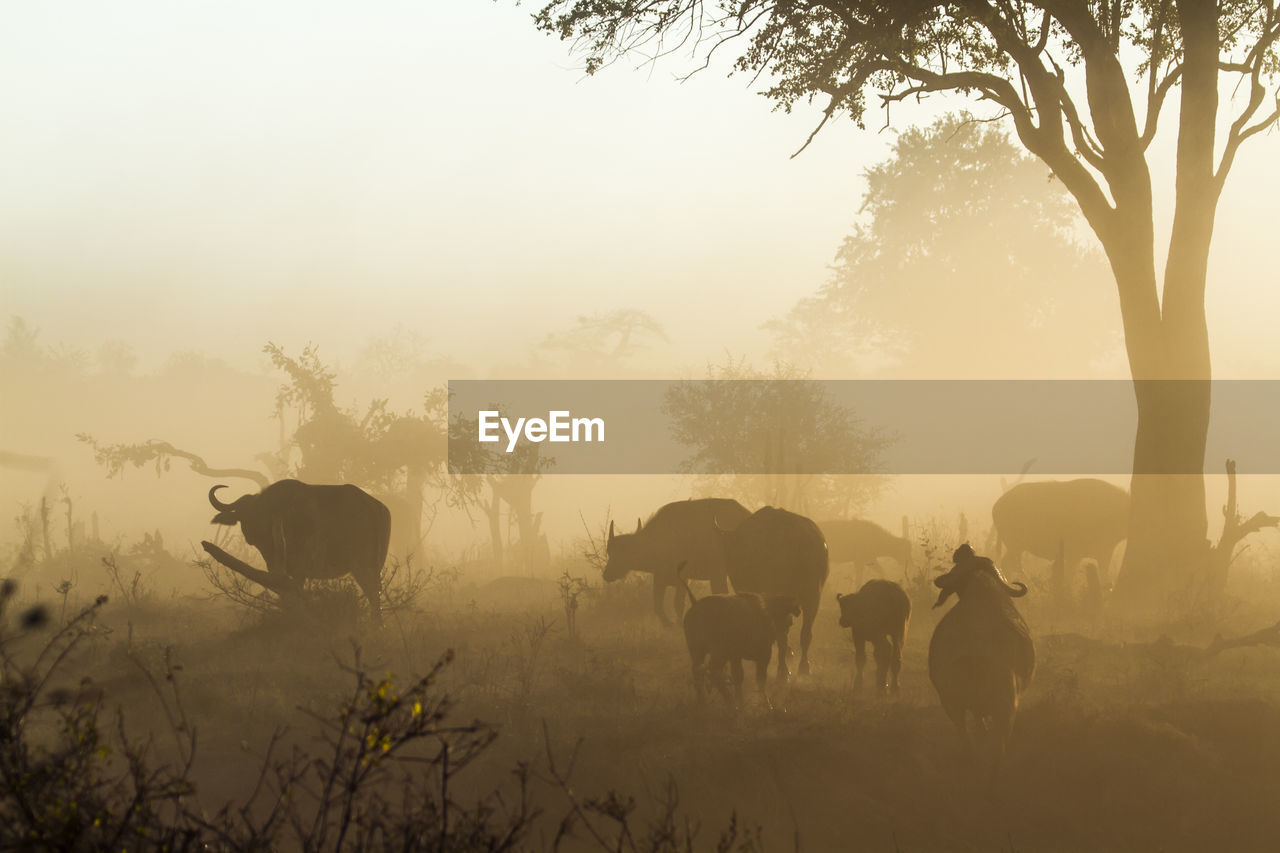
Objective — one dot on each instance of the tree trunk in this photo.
(494, 513)
(415, 487)
(1165, 331)
(1167, 547)
(516, 490)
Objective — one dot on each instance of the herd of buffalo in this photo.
(981, 655)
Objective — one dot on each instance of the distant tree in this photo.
(1060, 71)
(21, 349)
(774, 438)
(116, 358)
(190, 363)
(397, 364)
(402, 350)
(602, 343)
(968, 261)
(20, 341)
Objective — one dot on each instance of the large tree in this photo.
(1084, 84)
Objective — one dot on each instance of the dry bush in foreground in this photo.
(383, 778)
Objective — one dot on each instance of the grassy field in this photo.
(1138, 741)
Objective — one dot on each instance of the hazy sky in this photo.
(210, 175)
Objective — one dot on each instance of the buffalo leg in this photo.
(659, 588)
(1060, 578)
(680, 596)
(1004, 707)
(697, 660)
(1104, 566)
(719, 583)
(897, 660)
(859, 661)
(1011, 562)
(371, 585)
(716, 670)
(738, 678)
(806, 636)
(1071, 575)
(882, 652)
(762, 678)
(957, 715)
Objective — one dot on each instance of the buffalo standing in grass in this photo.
(877, 613)
(981, 656)
(779, 554)
(864, 543)
(680, 532)
(320, 532)
(1078, 519)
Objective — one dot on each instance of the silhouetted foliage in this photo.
(781, 431)
(383, 774)
(21, 348)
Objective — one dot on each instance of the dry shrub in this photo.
(384, 775)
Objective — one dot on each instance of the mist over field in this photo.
(249, 245)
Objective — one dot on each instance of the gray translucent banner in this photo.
(816, 427)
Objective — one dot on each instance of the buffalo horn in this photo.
(1015, 590)
(217, 504)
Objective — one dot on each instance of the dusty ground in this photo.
(1123, 743)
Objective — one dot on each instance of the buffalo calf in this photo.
(728, 629)
(878, 613)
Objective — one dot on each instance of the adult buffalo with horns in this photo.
(777, 553)
(321, 532)
(981, 656)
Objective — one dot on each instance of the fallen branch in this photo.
(276, 583)
(1234, 531)
(1265, 637)
(1233, 528)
